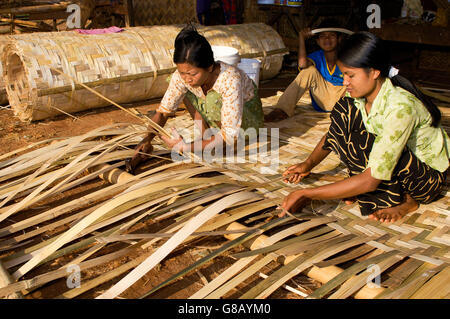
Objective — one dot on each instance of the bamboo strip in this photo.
(5, 280)
(296, 291)
(237, 241)
(64, 238)
(118, 65)
(398, 275)
(24, 256)
(165, 249)
(436, 288)
(243, 275)
(40, 280)
(347, 257)
(299, 264)
(326, 274)
(39, 180)
(103, 278)
(122, 229)
(279, 245)
(435, 95)
(76, 203)
(354, 284)
(207, 291)
(348, 273)
(30, 198)
(32, 251)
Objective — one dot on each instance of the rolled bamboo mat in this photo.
(164, 12)
(128, 66)
(4, 40)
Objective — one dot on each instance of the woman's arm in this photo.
(145, 146)
(303, 61)
(296, 173)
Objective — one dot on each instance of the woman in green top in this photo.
(385, 131)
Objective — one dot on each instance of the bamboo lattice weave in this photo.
(164, 12)
(329, 241)
(128, 66)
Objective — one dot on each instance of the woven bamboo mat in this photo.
(164, 12)
(414, 251)
(348, 256)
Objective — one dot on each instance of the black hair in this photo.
(329, 23)
(193, 48)
(365, 50)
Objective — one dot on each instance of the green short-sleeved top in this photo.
(399, 119)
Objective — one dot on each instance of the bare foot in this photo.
(275, 115)
(392, 214)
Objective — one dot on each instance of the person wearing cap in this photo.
(318, 73)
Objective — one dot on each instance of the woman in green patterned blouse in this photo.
(385, 131)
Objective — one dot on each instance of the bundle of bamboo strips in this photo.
(158, 193)
(128, 66)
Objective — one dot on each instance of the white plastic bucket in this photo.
(226, 54)
(251, 68)
(266, 1)
(294, 3)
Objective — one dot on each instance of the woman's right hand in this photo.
(140, 153)
(296, 173)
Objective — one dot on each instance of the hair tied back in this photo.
(393, 72)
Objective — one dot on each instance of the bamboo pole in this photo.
(322, 275)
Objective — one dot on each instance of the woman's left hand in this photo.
(295, 201)
(176, 142)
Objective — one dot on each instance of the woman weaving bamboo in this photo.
(385, 131)
(216, 94)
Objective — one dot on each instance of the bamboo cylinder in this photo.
(322, 275)
(128, 66)
(115, 175)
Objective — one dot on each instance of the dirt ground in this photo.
(15, 134)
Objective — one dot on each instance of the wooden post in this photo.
(129, 18)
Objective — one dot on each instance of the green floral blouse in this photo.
(399, 119)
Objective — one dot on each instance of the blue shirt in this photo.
(333, 76)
